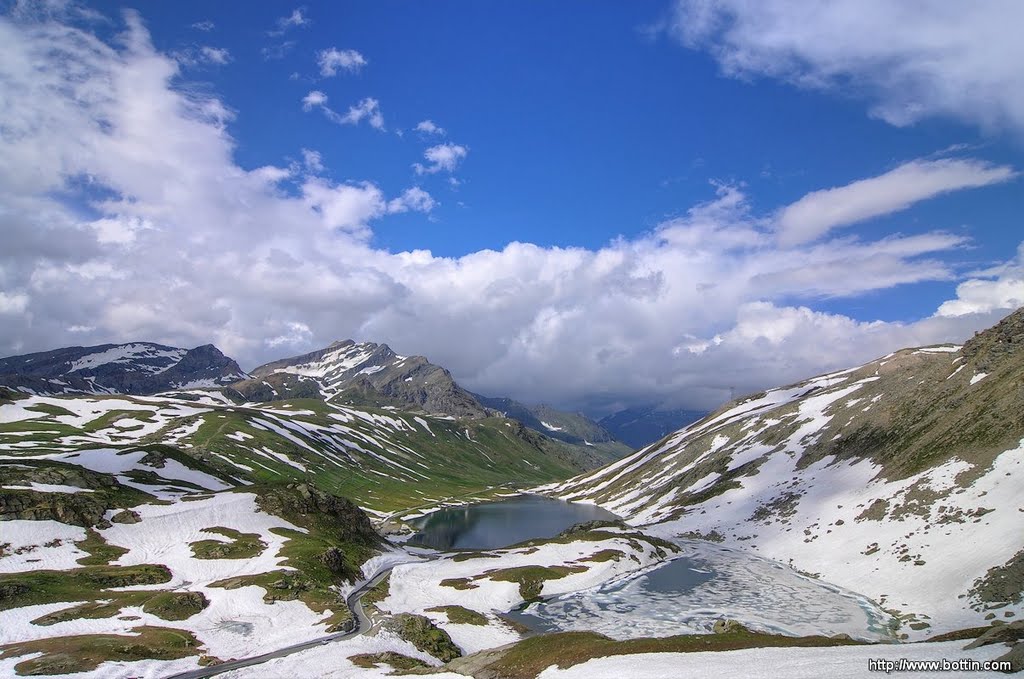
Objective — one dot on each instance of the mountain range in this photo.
(361, 375)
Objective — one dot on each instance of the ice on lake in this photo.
(711, 582)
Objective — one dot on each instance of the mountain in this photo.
(362, 374)
(138, 368)
(638, 427)
(901, 479)
(572, 428)
(372, 375)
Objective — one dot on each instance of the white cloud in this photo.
(819, 212)
(330, 60)
(204, 54)
(413, 199)
(278, 51)
(909, 60)
(444, 157)
(296, 19)
(312, 160)
(296, 334)
(230, 256)
(988, 291)
(429, 127)
(347, 207)
(206, 26)
(215, 55)
(13, 302)
(313, 99)
(368, 109)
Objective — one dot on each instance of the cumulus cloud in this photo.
(909, 60)
(332, 59)
(443, 157)
(126, 213)
(429, 127)
(821, 211)
(206, 26)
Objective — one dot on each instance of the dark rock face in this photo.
(303, 504)
(366, 374)
(139, 368)
(78, 509)
(424, 635)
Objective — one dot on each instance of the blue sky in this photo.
(653, 134)
(582, 123)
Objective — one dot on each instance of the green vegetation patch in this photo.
(101, 552)
(49, 409)
(458, 583)
(466, 556)
(424, 635)
(459, 615)
(176, 605)
(240, 545)
(80, 584)
(295, 586)
(395, 660)
(605, 555)
(65, 655)
(531, 579)
(530, 657)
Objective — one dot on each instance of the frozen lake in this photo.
(687, 596)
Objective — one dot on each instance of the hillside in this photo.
(138, 368)
(900, 479)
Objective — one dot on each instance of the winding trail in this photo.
(361, 625)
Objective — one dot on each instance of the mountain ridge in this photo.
(136, 368)
(875, 477)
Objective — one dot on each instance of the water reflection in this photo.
(499, 524)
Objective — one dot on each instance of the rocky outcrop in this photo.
(305, 504)
(424, 635)
(78, 509)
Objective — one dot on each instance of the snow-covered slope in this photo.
(902, 479)
(135, 368)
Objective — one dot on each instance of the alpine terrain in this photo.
(901, 479)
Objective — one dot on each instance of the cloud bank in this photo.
(126, 217)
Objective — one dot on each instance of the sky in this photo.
(590, 204)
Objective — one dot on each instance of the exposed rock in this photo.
(724, 626)
(999, 634)
(1015, 656)
(424, 635)
(126, 516)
